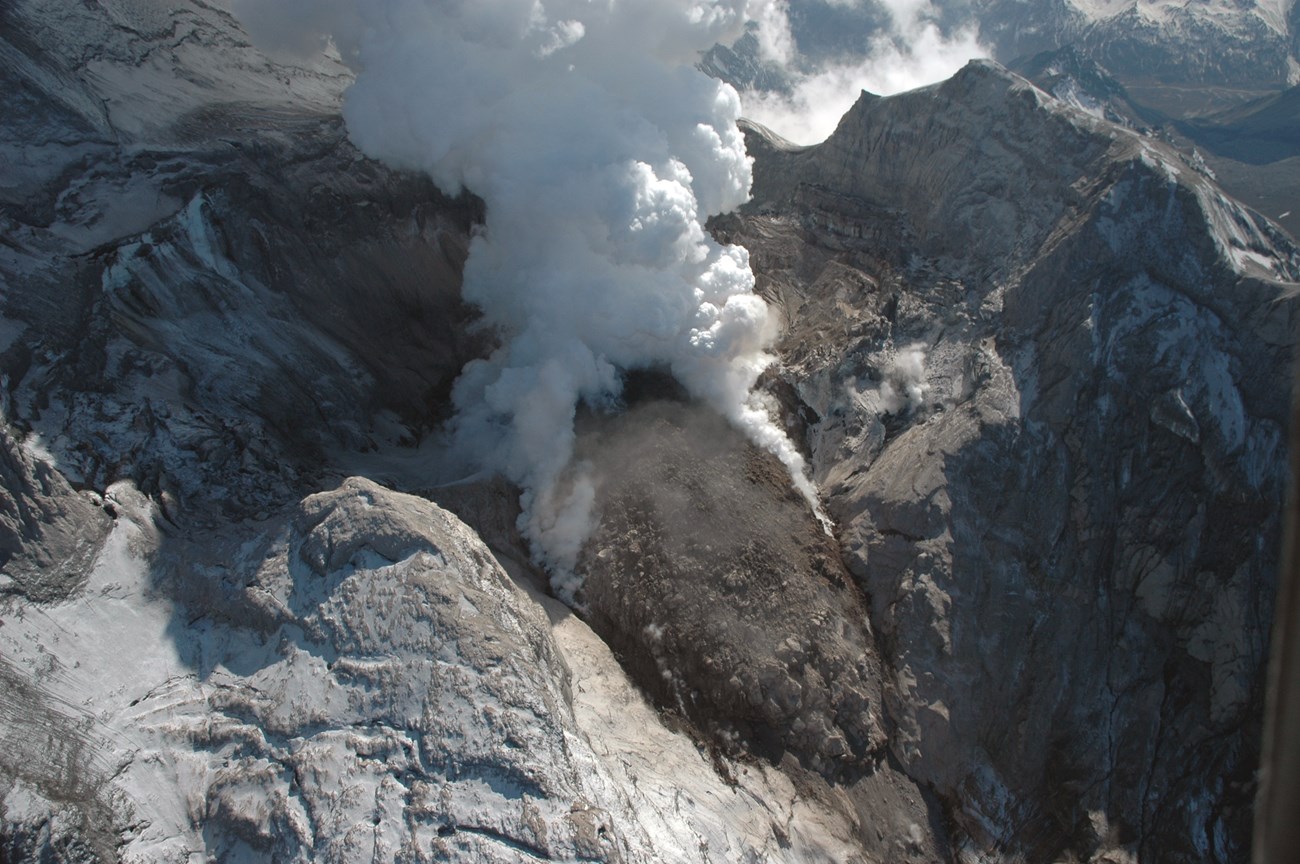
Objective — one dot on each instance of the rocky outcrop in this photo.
(410, 700)
(208, 292)
(49, 534)
(711, 576)
(1052, 437)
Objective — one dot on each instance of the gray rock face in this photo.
(49, 534)
(205, 293)
(1066, 516)
(412, 703)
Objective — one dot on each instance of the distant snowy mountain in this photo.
(1081, 82)
(1244, 45)
(1252, 46)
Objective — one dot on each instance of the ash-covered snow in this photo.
(358, 677)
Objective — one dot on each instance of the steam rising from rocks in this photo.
(599, 151)
(905, 386)
(913, 51)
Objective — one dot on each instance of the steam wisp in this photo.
(910, 52)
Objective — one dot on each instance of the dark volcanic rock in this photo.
(711, 575)
(728, 603)
(1069, 527)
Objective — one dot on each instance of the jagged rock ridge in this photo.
(1069, 534)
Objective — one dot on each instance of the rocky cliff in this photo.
(1045, 357)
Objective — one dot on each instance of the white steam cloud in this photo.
(904, 386)
(913, 52)
(599, 150)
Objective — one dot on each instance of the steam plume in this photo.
(911, 52)
(599, 151)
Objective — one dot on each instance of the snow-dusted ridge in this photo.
(1214, 43)
(354, 678)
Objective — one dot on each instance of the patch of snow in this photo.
(36, 448)
(1237, 236)
(1274, 13)
(115, 208)
(1069, 92)
(1096, 10)
(1153, 158)
(1249, 259)
(1223, 399)
(199, 231)
(113, 654)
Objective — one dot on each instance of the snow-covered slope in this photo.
(355, 678)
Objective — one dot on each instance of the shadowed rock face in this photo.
(206, 286)
(1069, 534)
(214, 357)
(49, 534)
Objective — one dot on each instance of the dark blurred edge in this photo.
(1277, 807)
